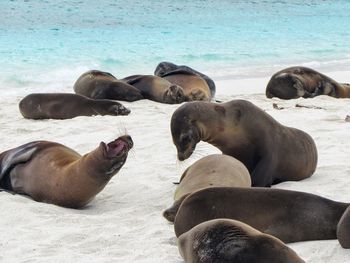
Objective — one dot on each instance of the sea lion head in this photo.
(285, 86)
(185, 132)
(118, 109)
(113, 154)
(175, 94)
(197, 95)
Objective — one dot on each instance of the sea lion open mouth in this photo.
(118, 147)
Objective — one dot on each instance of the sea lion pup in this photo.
(67, 106)
(97, 84)
(272, 152)
(53, 173)
(167, 68)
(295, 82)
(226, 241)
(211, 171)
(156, 88)
(288, 215)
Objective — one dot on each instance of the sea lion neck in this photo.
(98, 165)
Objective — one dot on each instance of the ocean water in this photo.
(52, 42)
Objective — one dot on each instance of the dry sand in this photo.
(124, 222)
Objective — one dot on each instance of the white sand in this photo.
(124, 222)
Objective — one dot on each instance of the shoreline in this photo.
(62, 80)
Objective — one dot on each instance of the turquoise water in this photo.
(46, 40)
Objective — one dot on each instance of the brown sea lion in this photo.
(164, 69)
(295, 82)
(97, 84)
(272, 152)
(53, 173)
(67, 106)
(227, 241)
(288, 215)
(195, 88)
(156, 88)
(211, 171)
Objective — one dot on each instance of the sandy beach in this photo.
(124, 222)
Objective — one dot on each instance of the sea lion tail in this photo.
(11, 158)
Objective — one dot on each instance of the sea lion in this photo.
(67, 106)
(97, 84)
(53, 173)
(272, 152)
(156, 88)
(343, 229)
(288, 215)
(164, 69)
(295, 82)
(227, 241)
(195, 88)
(211, 171)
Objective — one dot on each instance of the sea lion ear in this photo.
(220, 109)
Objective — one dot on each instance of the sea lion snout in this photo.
(123, 110)
(119, 109)
(118, 147)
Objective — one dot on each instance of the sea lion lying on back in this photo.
(295, 82)
(67, 106)
(210, 171)
(156, 88)
(53, 173)
(97, 84)
(164, 69)
(291, 216)
(272, 152)
(228, 241)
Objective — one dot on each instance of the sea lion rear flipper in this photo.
(12, 157)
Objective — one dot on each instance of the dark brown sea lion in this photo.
(211, 171)
(227, 241)
(288, 215)
(67, 106)
(156, 88)
(295, 82)
(272, 152)
(167, 68)
(97, 84)
(343, 229)
(53, 173)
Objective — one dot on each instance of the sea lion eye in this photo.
(185, 139)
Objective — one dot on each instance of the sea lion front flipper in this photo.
(263, 168)
(11, 158)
